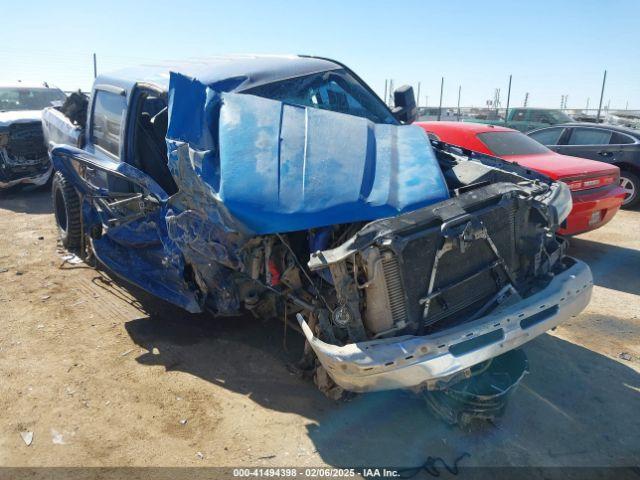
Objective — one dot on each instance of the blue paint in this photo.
(244, 166)
(279, 168)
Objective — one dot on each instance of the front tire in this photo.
(631, 184)
(66, 208)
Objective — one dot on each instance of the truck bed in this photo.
(58, 129)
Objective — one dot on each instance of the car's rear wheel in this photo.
(66, 208)
(630, 182)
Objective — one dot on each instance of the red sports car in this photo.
(594, 185)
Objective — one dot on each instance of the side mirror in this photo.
(404, 100)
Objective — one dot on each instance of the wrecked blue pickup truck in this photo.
(284, 186)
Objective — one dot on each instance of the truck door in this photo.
(124, 185)
(518, 119)
(592, 143)
(550, 137)
(537, 119)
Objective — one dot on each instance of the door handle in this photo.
(604, 153)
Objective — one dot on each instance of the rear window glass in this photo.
(511, 143)
(589, 136)
(549, 136)
(621, 139)
(519, 116)
(542, 117)
(108, 111)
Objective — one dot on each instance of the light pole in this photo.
(604, 81)
(506, 113)
(440, 106)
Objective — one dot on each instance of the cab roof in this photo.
(229, 72)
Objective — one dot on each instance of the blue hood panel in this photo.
(275, 167)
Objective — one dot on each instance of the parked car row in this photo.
(614, 145)
(594, 186)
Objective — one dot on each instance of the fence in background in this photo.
(469, 113)
(79, 70)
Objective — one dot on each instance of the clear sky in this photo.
(552, 48)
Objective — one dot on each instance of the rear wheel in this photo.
(66, 207)
(630, 182)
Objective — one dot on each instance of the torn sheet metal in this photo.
(73, 162)
(280, 168)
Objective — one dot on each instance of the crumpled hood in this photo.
(19, 116)
(275, 167)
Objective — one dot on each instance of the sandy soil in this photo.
(104, 375)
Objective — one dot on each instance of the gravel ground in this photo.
(104, 375)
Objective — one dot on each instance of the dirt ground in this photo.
(104, 375)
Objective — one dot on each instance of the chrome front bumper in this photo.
(38, 180)
(410, 361)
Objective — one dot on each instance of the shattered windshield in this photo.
(334, 90)
(29, 98)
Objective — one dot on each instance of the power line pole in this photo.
(526, 99)
(385, 91)
(418, 99)
(604, 81)
(587, 109)
(459, 93)
(563, 101)
(440, 107)
(506, 113)
(95, 66)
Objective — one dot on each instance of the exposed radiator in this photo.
(395, 291)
